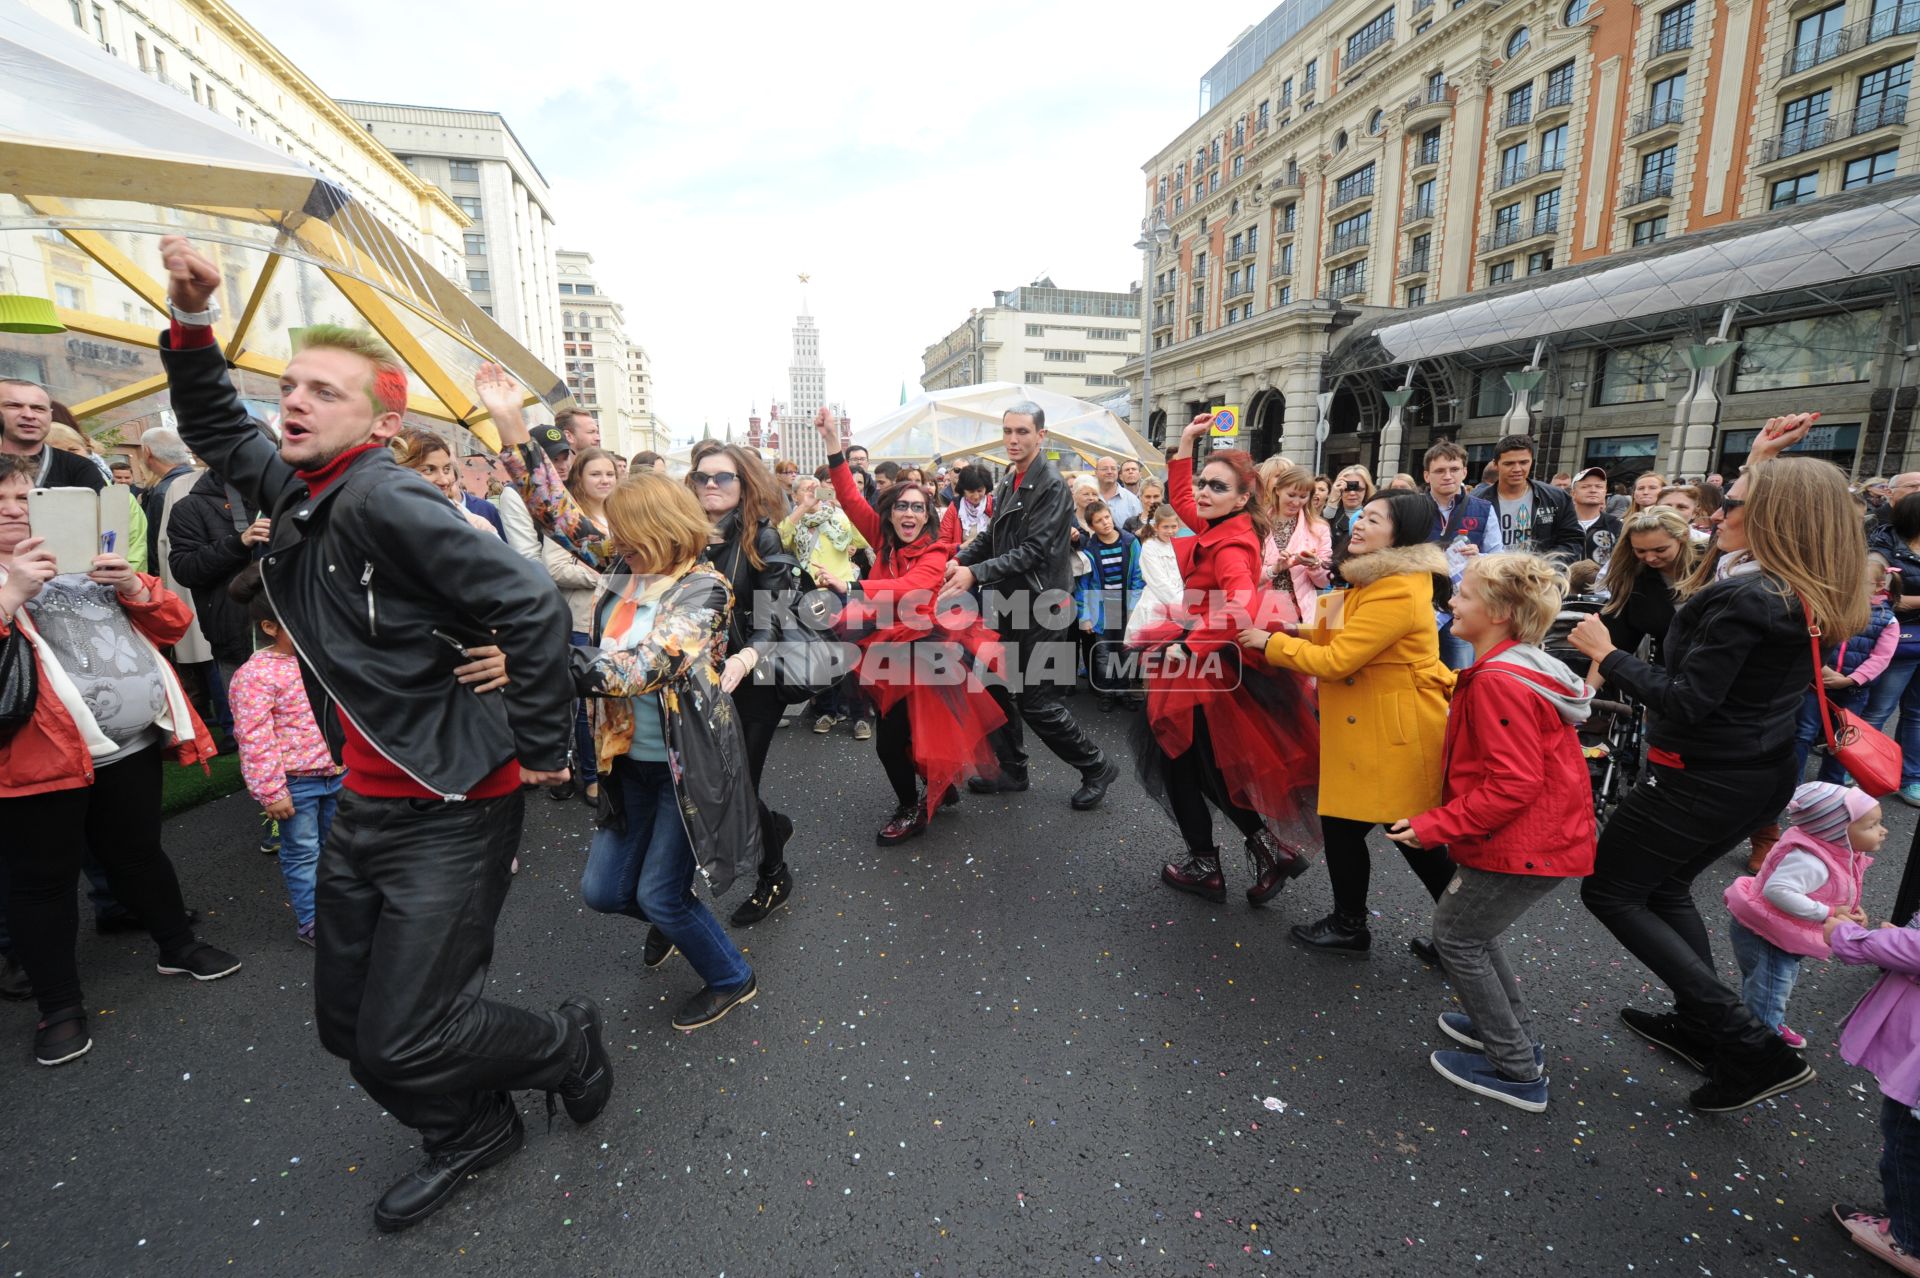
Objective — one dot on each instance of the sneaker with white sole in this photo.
(862, 730)
(1910, 794)
(824, 724)
(1476, 1074)
(200, 961)
(1458, 1026)
(1790, 1036)
(1873, 1232)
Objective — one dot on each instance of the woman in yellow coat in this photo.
(1383, 704)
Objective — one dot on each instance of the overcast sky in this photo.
(910, 158)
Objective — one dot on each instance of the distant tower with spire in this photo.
(806, 391)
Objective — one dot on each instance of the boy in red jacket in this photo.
(1516, 815)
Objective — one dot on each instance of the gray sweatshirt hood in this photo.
(1548, 677)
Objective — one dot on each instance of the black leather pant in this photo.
(1039, 655)
(407, 894)
(759, 709)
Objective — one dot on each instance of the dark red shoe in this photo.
(1272, 864)
(1199, 874)
(907, 822)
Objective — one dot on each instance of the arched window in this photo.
(1339, 141)
(1518, 40)
(1374, 120)
(1576, 12)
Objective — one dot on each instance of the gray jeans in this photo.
(1468, 919)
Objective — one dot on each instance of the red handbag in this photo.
(1870, 756)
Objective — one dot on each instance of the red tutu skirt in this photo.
(950, 712)
(1262, 725)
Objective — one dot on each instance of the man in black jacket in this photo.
(26, 414)
(210, 539)
(1024, 561)
(384, 589)
(1533, 516)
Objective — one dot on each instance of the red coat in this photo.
(1219, 567)
(897, 574)
(48, 753)
(1517, 798)
(950, 521)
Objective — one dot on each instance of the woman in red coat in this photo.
(920, 670)
(1244, 738)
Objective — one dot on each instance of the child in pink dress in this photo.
(283, 757)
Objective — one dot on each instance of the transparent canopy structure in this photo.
(963, 424)
(98, 162)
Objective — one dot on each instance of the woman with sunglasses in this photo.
(1722, 718)
(1245, 740)
(918, 666)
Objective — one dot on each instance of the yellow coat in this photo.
(1383, 689)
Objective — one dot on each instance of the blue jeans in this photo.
(1900, 1171)
(1767, 971)
(1897, 686)
(1811, 730)
(645, 871)
(586, 766)
(303, 835)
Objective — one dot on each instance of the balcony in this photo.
(1882, 113)
(1417, 264)
(1244, 289)
(1284, 184)
(1558, 97)
(1890, 24)
(1242, 252)
(1163, 290)
(1429, 106)
(1516, 232)
(1418, 211)
(1653, 186)
(1663, 115)
(1426, 154)
(1197, 306)
(1344, 285)
(1348, 241)
(1418, 5)
(1673, 40)
(1345, 194)
(1364, 45)
(1550, 166)
(1518, 115)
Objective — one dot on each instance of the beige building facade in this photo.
(1071, 341)
(609, 375)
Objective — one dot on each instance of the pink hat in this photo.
(1825, 810)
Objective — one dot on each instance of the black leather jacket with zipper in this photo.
(363, 575)
(1025, 545)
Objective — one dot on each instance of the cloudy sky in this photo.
(911, 159)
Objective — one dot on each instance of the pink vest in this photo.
(1774, 925)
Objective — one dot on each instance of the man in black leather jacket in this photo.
(383, 587)
(1024, 562)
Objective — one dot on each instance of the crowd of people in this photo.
(399, 664)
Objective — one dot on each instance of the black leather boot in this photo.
(909, 821)
(585, 1090)
(1336, 934)
(426, 1189)
(1199, 874)
(1093, 787)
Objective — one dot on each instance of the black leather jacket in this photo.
(363, 575)
(748, 626)
(1025, 545)
(206, 554)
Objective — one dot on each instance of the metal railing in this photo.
(1673, 40)
(1197, 305)
(1346, 193)
(1291, 177)
(1239, 290)
(1347, 241)
(1364, 42)
(1655, 186)
(1522, 229)
(1164, 290)
(1514, 175)
(1346, 283)
(1517, 114)
(1879, 114)
(1557, 95)
(1427, 153)
(1658, 116)
(1240, 252)
(1898, 21)
(1418, 211)
(1902, 20)
(1415, 265)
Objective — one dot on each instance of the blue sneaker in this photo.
(1458, 1026)
(1910, 794)
(1476, 1073)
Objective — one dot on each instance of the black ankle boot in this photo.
(426, 1189)
(589, 1085)
(1199, 874)
(1272, 864)
(1336, 934)
(769, 894)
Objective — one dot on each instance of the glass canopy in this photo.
(964, 423)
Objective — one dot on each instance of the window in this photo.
(1286, 294)
(1651, 231)
(1676, 29)
(1416, 295)
(1666, 100)
(100, 23)
(1311, 76)
(1239, 133)
(1491, 395)
(1539, 263)
(140, 48)
(1339, 141)
(1797, 189)
(1286, 259)
(1893, 17)
(1289, 217)
(1064, 357)
(1423, 198)
(1817, 37)
(1213, 181)
(79, 18)
(1375, 120)
(1656, 171)
(470, 205)
(1883, 97)
(1517, 42)
(1107, 334)
(1035, 379)
(1423, 27)
(1213, 155)
(1354, 185)
(1546, 212)
(1348, 280)
(1233, 315)
(1575, 13)
(566, 290)
(1513, 164)
(1821, 350)
(1353, 232)
(479, 281)
(1260, 118)
(1804, 123)
(70, 297)
(1633, 374)
(1553, 149)
(1559, 86)
(1370, 37)
(210, 102)
(1500, 273)
(194, 81)
(1036, 330)
(159, 60)
(1239, 165)
(1869, 169)
(1286, 93)
(1429, 152)
(475, 242)
(1179, 203)
(1519, 106)
(466, 171)
(1506, 220)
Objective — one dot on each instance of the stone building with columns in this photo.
(1457, 217)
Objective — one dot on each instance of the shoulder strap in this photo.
(1819, 684)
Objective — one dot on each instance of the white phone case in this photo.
(68, 519)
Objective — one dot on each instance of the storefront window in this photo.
(1820, 350)
(1491, 398)
(1837, 444)
(1623, 457)
(1633, 374)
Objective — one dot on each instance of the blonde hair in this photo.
(1624, 567)
(1522, 589)
(1803, 532)
(1654, 475)
(655, 522)
(1278, 475)
(1367, 488)
(68, 440)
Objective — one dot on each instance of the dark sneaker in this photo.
(305, 933)
(658, 948)
(710, 1004)
(14, 985)
(1665, 1029)
(62, 1037)
(769, 894)
(1005, 783)
(269, 836)
(1093, 787)
(587, 1089)
(1476, 1074)
(1458, 1026)
(426, 1189)
(200, 961)
(1737, 1085)
(1336, 934)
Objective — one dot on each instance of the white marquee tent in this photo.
(963, 423)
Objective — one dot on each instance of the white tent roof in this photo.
(964, 422)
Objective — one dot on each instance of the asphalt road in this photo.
(1004, 1049)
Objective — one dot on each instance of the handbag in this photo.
(19, 680)
(1870, 756)
(804, 660)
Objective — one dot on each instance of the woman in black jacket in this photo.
(1657, 553)
(744, 507)
(1722, 716)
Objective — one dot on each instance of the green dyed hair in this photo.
(387, 388)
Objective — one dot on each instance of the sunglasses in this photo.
(1732, 503)
(911, 507)
(706, 478)
(1220, 487)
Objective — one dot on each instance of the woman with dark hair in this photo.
(1722, 717)
(427, 455)
(917, 666)
(1375, 648)
(972, 507)
(1244, 740)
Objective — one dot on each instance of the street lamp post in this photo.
(1153, 238)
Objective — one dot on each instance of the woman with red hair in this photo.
(1245, 739)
